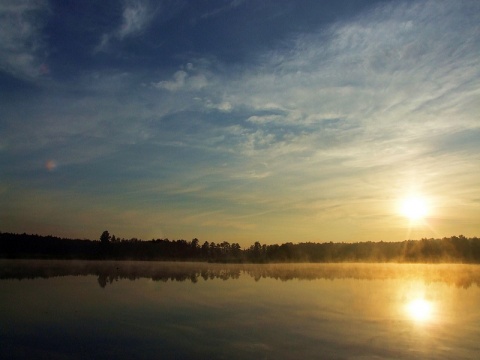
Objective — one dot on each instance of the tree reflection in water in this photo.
(190, 310)
(110, 271)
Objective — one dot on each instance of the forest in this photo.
(454, 249)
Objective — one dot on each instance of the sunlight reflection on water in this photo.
(194, 311)
(420, 310)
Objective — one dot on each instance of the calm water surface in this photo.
(68, 310)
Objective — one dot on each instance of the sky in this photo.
(241, 121)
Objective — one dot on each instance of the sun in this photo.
(414, 207)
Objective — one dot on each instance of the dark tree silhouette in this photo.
(455, 249)
(105, 237)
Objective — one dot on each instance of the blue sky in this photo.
(242, 121)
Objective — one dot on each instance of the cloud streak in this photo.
(136, 16)
(182, 81)
(22, 47)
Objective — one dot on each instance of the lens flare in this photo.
(50, 165)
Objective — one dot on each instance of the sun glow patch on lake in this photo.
(420, 310)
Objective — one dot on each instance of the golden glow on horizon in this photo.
(414, 208)
(420, 310)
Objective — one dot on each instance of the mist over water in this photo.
(460, 275)
(87, 309)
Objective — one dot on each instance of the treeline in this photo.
(456, 249)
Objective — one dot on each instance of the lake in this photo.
(164, 310)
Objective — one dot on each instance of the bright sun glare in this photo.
(414, 208)
(420, 310)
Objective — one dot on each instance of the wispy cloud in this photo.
(136, 16)
(22, 47)
(230, 5)
(393, 72)
(189, 78)
(177, 83)
(384, 84)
